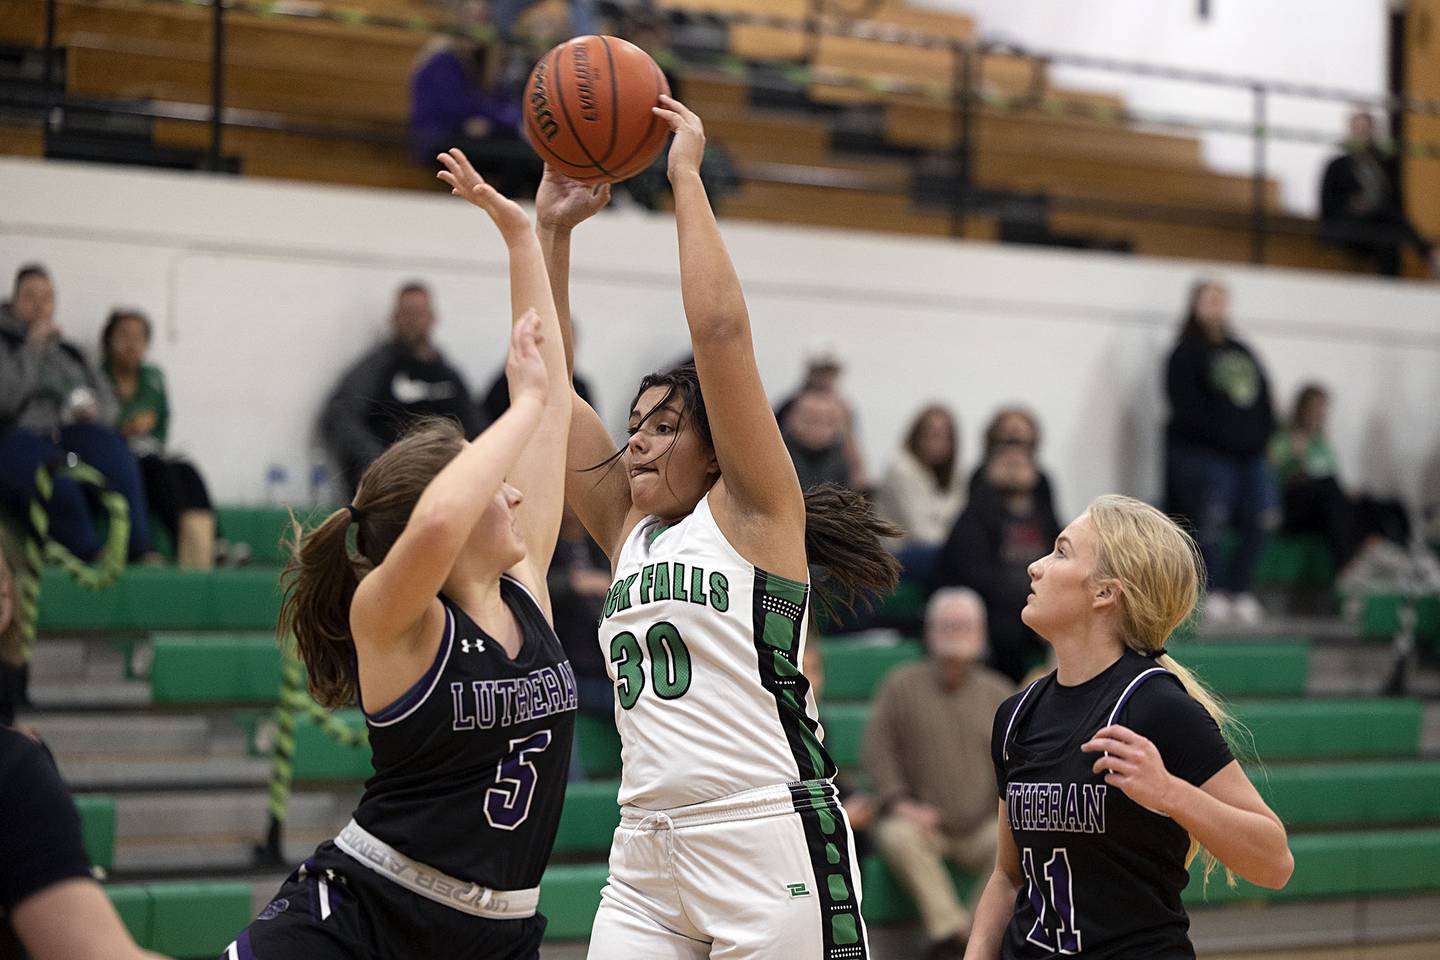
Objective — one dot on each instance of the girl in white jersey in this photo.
(731, 842)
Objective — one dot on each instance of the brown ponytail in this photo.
(320, 579)
(845, 538)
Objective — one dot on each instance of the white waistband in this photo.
(750, 804)
(430, 883)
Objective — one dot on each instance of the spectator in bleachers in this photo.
(173, 487)
(1016, 426)
(814, 432)
(497, 397)
(462, 94)
(922, 491)
(925, 752)
(54, 403)
(396, 383)
(1217, 473)
(579, 579)
(1002, 530)
(584, 16)
(51, 908)
(823, 371)
(1360, 204)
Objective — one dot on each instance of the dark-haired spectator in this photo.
(401, 380)
(1217, 473)
(924, 751)
(823, 371)
(173, 486)
(1003, 529)
(579, 579)
(51, 908)
(1015, 426)
(584, 16)
(814, 433)
(465, 94)
(54, 403)
(1360, 203)
(1308, 471)
(922, 491)
(497, 397)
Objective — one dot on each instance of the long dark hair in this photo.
(1308, 394)
(944, 470)
(320, 579)
(118, 316)
(844, 537)
(1190, 326)
(12, 633)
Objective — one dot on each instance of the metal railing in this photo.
(964, 93)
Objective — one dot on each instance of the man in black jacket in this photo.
(1360, 204)
(400, 380)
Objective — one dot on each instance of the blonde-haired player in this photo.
(1113, 770)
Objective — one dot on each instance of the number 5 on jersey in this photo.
(507, 804)
(669, 664)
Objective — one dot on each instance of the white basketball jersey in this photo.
(705, 652)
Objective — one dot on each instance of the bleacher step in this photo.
(89, 694)
(1327, 923)
(143, 773)
(92, 736)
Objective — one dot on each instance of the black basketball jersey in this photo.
(471, 763)
(1102, 876)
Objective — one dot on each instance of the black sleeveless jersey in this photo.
(1102, 876)
(471, 763)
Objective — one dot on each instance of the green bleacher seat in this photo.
(1333, 728)
(197, 919)
(599, 745)
(1351, 794)
(569, 897)
(854, 671)
(132, 901)
(1282, 729)
(1350, 864)
(163, 598)
(97, 826)
(1380, 617)
(589, 818)
(1277, 667)
(318, 756)
(263, 527)
(886, 903)
(215, 668)
(1295, 560)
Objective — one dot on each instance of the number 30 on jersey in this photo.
(669, 664)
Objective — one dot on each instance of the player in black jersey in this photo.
(1113, 770)
(440, 630)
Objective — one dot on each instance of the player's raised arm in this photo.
(601, 498)
(392, 599)
(755, 466)
(535, 472)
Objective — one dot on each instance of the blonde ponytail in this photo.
(1160, 571)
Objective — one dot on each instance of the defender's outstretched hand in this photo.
(688, 147)
(525, 367)
(563, 204)
(465, 182)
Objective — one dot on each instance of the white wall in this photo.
(1331, 43)
(263, 292)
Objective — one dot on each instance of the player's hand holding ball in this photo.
(688, 147)
(563, 203)
(465, 182)
(1135, 766)
(524, 367)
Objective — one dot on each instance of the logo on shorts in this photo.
(274, 908)
(797, 890)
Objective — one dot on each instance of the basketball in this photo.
(587, 109)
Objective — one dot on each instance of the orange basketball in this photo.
(587, 109)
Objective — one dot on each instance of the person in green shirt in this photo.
(175, 488)
(1306, 466)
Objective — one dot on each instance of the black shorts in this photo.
(334, 908)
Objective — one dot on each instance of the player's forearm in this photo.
(992, 916)
(555, 247)
(1249, 843)
(710, 289)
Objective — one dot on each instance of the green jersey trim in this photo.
(779, 615)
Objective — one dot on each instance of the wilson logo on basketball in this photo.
(544, 121)
(585, 84)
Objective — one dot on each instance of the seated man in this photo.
(54, 403)
(400, 380)
(927, 752)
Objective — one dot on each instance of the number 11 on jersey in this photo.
(1065, 937)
